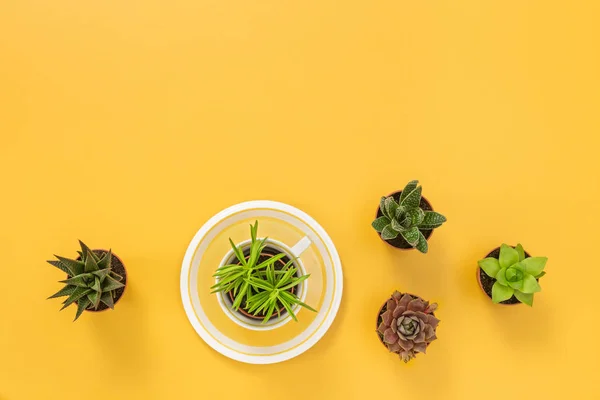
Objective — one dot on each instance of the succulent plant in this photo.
(90, 280)
(260, 287)
(515, 274)
(406, 218)
(407, 326)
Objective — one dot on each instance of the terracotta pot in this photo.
(480, 271)
(282, 310)
(125, 277)
(379, 214)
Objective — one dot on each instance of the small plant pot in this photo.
(118, 267)
(486, 282)
(280, 264)
(399, 242)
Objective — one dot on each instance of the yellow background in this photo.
(129, 123)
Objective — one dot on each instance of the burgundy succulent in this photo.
(407, 325)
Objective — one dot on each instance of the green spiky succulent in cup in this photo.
(514, 274)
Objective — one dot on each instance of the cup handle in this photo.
(301, 246)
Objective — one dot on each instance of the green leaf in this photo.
(517, 285)
(540, 275)
(60, 266)
(389, 233)
(411, 236)
(65, 291)
(416, 216)
(238, 253)
(76, 295)
(289, 310)
(101, 274)
(410, 186)
(521, 252)
(397, 226)
(76, 267)
(227, 279)
(295, 282)
(238, 299)
(432, 220)
(83, 280)
(526, 298)
(81, 306)
(94, 298)
(501, 292)
(490, 266)
(413, 199)
(391, 206)
(501, 276)
(293, 299)
(91, 265)
(382, 206)
(400, 213)
(269, 261)
(422, 246)
(534, 265)
(380, 223)
(259, 283)
(107, 299)
(269, 313)
(106, 261)
(111, 284)
(530, 284)
(508, 256)
(87, 252)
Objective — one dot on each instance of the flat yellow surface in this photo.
(129, 123)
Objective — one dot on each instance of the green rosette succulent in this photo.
(515, 274)
(406, 218)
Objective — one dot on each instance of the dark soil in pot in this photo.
(399, 242)
(487, 282)
(267, 253)
(119, 268)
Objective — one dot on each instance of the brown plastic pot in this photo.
(427, 205)
(124, 277)
(282, 310)
(480, 271)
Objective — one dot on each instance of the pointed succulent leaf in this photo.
(400, 213)
(66, 291)
(382, 206)
(62, 267)
(81, 306)
(526, 298)
(432, 220)
(381, 223)
(410, 186)
(111, 284)
(520, 251)
(413, 199)
(416, 216)
(91, 264)
(411, 236)
(534, 265)
(97, 286)
(83, 280)
(422, 246)
(391, 206)
(540, 275)
(397, 226)
(490, 265)
(501, 292)
(87, 252)
(501, 276)
(388, 233)
(530, 284)
(107, 298)
(76, 267)
(508, 256)
(94, 298)
(76, 295)
(101, 274)
(106, 261)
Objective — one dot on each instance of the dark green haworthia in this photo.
(406, 218)
(90, 281)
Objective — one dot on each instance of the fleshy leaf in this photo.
(413, 199)
(521, 252)
(508, 256)
(526, 298)
(382, 206)
(76, 295)
(411, 236)
(106, 261)
(87, 252)
(66, 291)
(389, 233)
(397, 226)
(81, 306)
(111, 284)
(534, 265)
(416, 216)
(501, 292)
(410, 186)
(62, 267)
(380, 223)
(422, 246)
(107, 299)
(432, 220)
(490, 265)
(83, 280)
(530, 284)
(501, 276)
(391, 206)
(91, 264)
(101, 274)
(76, 267)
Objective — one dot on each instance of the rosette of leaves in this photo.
(273, 291)
(234, 277)
(91, 280)
(407, 326)
(515, 274)
(406, 218)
